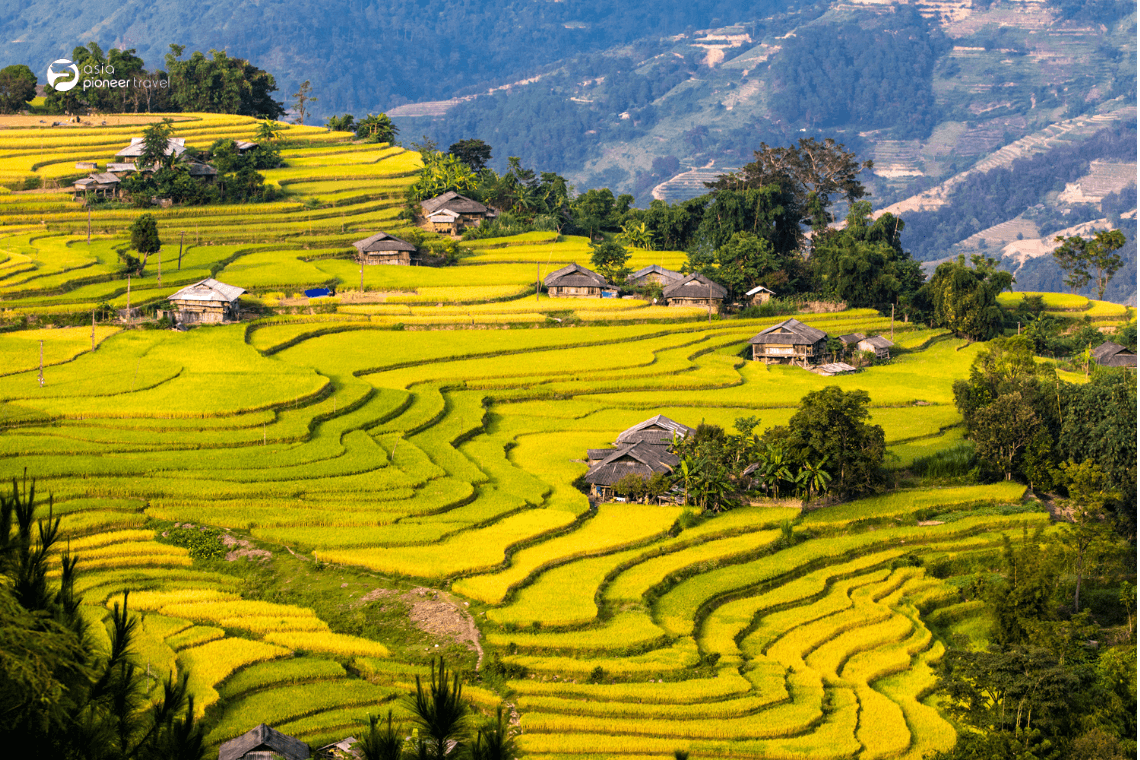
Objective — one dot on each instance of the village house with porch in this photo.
(452, 213)
(642, 450)
(878, 345)
(175, 146)
(383, 248)
(206, 302)
(789, 342)
(99, 185)
(695, 290)
(575, 281)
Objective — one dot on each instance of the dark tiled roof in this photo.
(642, 459)
(695, 286)
(453, 201)
(596, 454)
(382, 242)
(790, 332)
(659, 429)
(1107, 349)
(574, 275)
(263, 738)
(851, 338)
(878, 341)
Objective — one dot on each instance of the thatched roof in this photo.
(264, 739)
(850, 339)
(453, 201)
(102, 178)
(208, 290)
(382, 242)
(574, 275)
(695, 286)
(657, 430)
(790, 332)
(1109, 354)
(641, 459)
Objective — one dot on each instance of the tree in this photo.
(609, 258)
(381, 743)
(17, 88)
(1083, 260)
(864, 263)
(58, 693)
(377, 129)
(474, 153)
(1003, 428)
(156, 145)
(144, 236)
(220, 84)
(268, 130)
(495, 740)
(441, 715)
(302, 97)
(830, 425)
(344, 123)
(1087, 507)
(813, 172)
(964, 298)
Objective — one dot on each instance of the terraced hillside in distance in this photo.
(368, 463)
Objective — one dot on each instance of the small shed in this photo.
(103, 184)
(244, 146)
(1109, 354)
(446, 222)
(695, 290)
(850, 339)
(575, 281)
(654, 273)
(877, 344)
(206, 302)
(383, 248)
(175, 146)
(470, 212)
(264, 743)
(202, 171)
(759, 295)
(789, 342)
(834, 368)
(642, 459)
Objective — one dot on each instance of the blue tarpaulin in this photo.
(317, 292)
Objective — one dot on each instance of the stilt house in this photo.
(206, 302)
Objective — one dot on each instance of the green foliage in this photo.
(220, 84)
(381, 743)
(1084, 260)
(441, 715)
(17, 88)
(376, 128)
(144, 235)
(609, 259)
(474, 153)
(203, 543)
(864, 264)
(964, 299)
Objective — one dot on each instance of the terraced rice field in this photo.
(448, 457)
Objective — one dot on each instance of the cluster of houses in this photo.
(107, 184)
(575, 281)
(642, 451)
(793, 342)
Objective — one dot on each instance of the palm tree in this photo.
(441, 715)
(268, 130)
(815, 477)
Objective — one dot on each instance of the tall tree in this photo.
(609, 258)
(964, 298)
(1093, 260)
(302, 97)
(475, 153)
(441, 715)
(17, 88)
(220, 84)
(377, 128)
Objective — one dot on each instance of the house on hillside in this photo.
(878, 345)
(383, 248)
(206, 302)
(575, 281)
(695, 290)
(653, 273)
(175, 146)
(789, 342)
(101, 185)
(642, 459)
(264, 743)
(658, 430)
(759, 295)
(1109, 354)
(850, 340)
(452, 213)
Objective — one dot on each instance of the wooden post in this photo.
(537, 280)
(41, 364)
(892, 321)
(180, 241)
(128, 317)
(710, 301)
(89, 222)
(362, 273)
(92, 328)
(159, 266)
